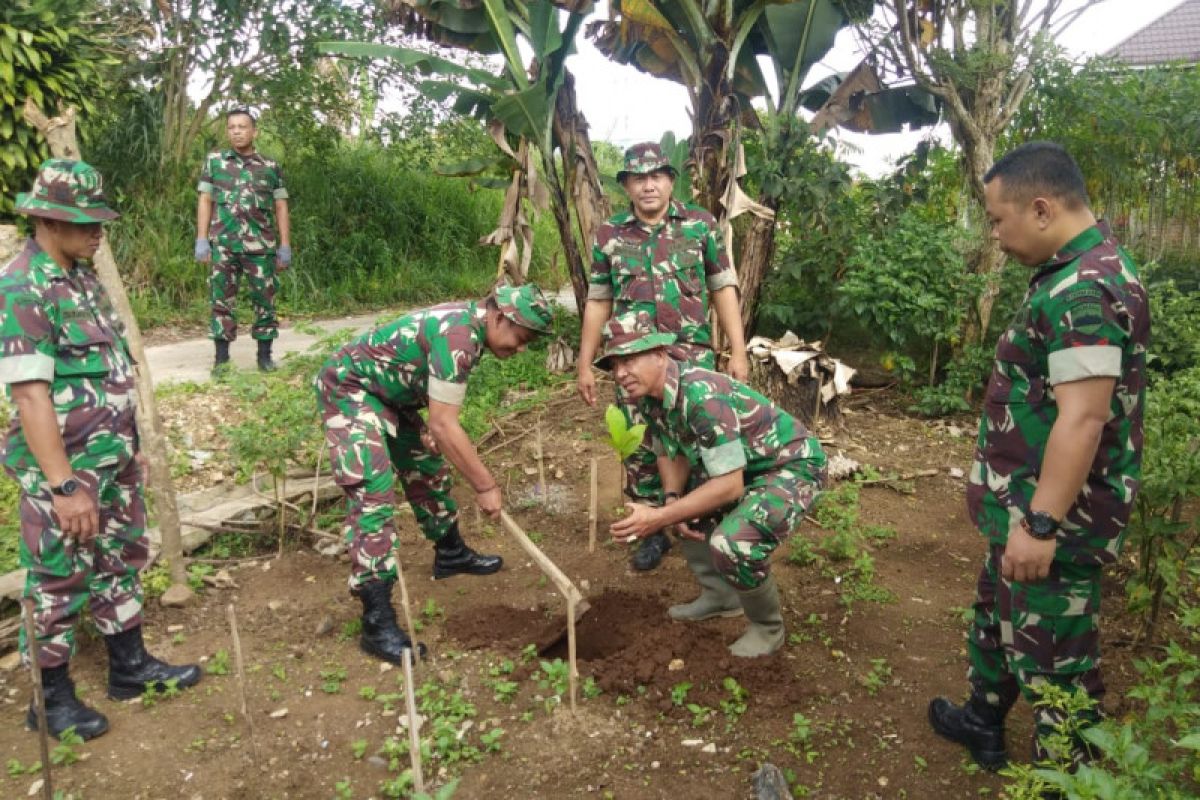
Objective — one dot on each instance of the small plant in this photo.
(735, 705)
(528, 653)
(556, 676)
(342, 790)
(700, 714)
(332, 679)
(503, 667)
(878, 677)
(491, 740)
(64, 752)
(16, 769)
(358, 748)
(151, 694)
(504, 691)
(367, 692)
(279, 672)
(431, 611)
(219, 663)
(350, 630)
(623, 439)
(591, 689)
(679, 693)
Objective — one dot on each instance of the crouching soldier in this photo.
(370, 393)
(758, 471)
(73, 449)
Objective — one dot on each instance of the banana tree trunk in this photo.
(582, 179)
(59, 133)
(712, 134)
(758, 248)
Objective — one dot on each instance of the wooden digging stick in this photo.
(576, 605)
(404, 606)
(414, 741)
(592, 515)
(241, 676)
(39, 697)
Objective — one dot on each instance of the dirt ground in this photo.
(307, 683)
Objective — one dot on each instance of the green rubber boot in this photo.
(717, 598)
(765, 633)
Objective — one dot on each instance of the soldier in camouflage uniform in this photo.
(370, 394)
(758, 471)
(1058, 461)
(73, 448)
(251, 236)
(665, 259)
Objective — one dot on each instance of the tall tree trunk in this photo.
(758, 249)
(978, 155)
(59, 133)
(712, 134)
(581, 177)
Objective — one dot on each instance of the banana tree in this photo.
(529, 108)
(714, 49)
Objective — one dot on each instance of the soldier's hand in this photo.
(640, 522)
(203, 251)
(686, 531)
(738, 367)
(586, 384)
(283, 258)
(1026, 559)
(429, 442)
(490, 502)
(77, 515)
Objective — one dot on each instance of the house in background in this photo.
(1173, 38)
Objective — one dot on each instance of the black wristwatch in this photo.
(65, 489)
(1040, 525)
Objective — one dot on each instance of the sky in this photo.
(623, 105)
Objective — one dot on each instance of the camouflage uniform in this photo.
(59, 326)
(666, 271)
(370, 393)
(1085, 315)
(244, 189)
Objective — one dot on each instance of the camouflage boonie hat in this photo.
(526, 306)
(644, 158)
(628, 334)
(68, 191)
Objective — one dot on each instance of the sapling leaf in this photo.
(624, 440)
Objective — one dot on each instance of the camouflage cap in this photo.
(644, 158)
(627, 334)
(68, 191)
(526, 306)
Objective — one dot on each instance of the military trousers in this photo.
(742, 537)
(370, 446)
(643, 484)
(65, 575)
(228, 269)
(1027, 635)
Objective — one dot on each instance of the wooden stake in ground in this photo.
(404, 606)
(576, 605)
(39, 697)
(59, 133)
(592, 515)
(241, 675)
(541, 490)
(414, 741)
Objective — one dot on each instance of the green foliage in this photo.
(505, 386)
(50, 52)
(64, 752)
(735, 704)
(151, 695)
(622, 438)
(9, 518)
(219, 663)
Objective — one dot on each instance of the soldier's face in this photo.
(640, 374)
(506, 338)
(77, 240)
(241, 131)
(1019, 225)
(649, 193)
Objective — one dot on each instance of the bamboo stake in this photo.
(39, 696)
(241, 676)
(592, 515)
(404, 606)
(541, 463)
(414, 741)
(575, 602)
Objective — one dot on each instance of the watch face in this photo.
(1042, 525)
(67, 487)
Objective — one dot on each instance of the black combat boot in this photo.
(221, 361)
(453, 557)
(131, 669)
(265, 364)
(63, 709)
(381, 636)
(650, 552)
(976, 724)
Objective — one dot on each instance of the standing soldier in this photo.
(761, 472)
(1058, 460)
(251, 235)
(665, 259)
(73, 449)
(370, 394)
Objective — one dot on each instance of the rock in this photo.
(692, 742)
(177, 596)
(378, 761)
(279, 713)
(221, 580)
(955, 472)
(675, 665)
(324, 626)
(709, 748)
(11, 661)
(769, 783)
(385, 667)
(274, 605)
(35, 787)
(174, 628)
(955, 431)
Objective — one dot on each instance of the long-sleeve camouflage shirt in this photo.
(732, 426)
(425, 355)
(666, 270)
(244, 190)
(59, 326)
(1085, 315)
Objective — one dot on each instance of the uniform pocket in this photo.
(83, 350)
